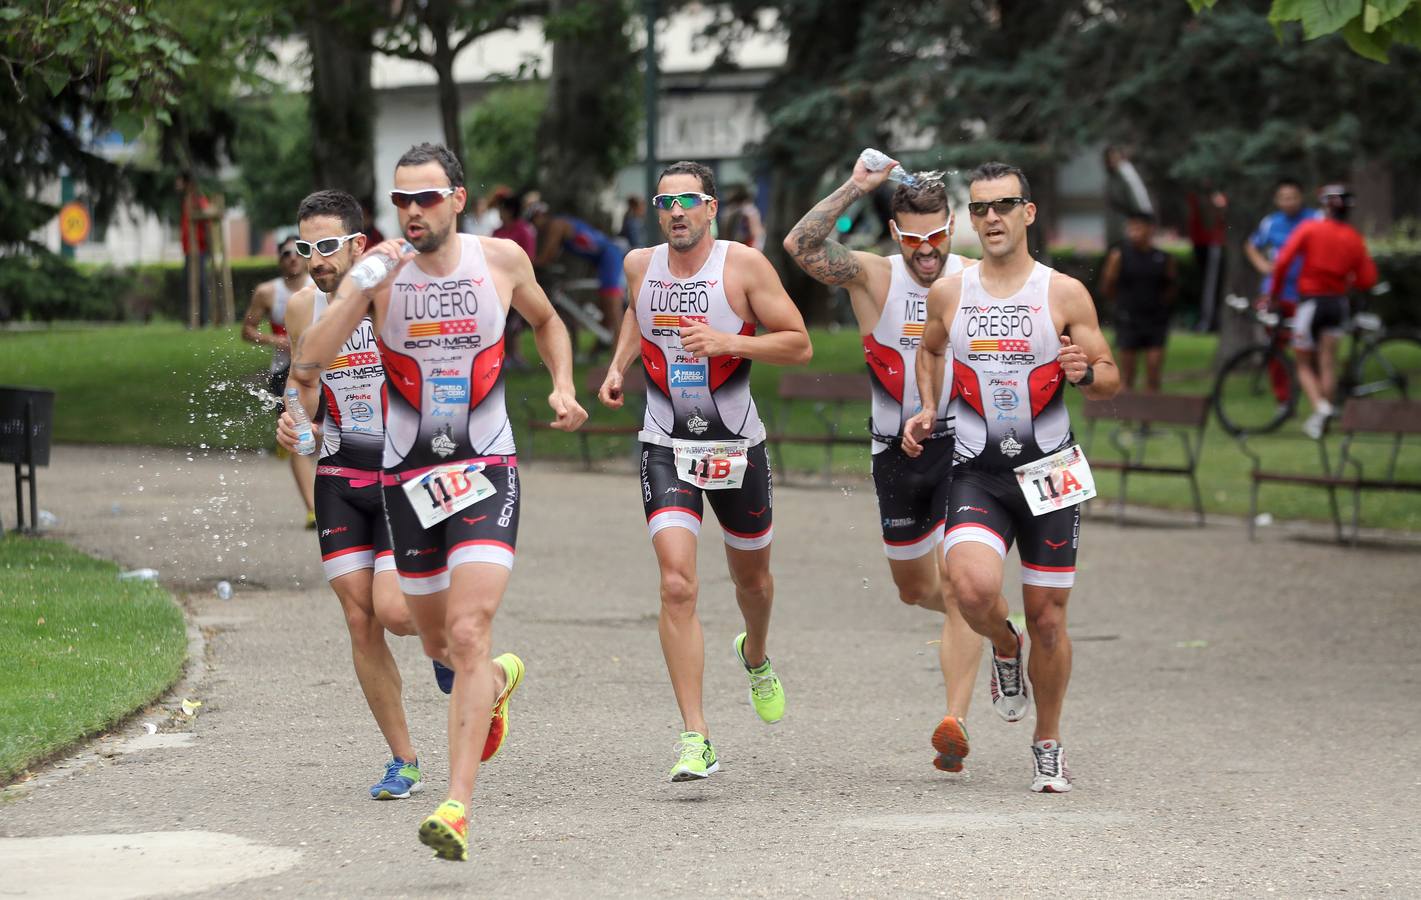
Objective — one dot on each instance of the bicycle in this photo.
(1257, 388)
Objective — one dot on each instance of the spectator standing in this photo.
(1141, 280)
(742, 221)
(1125, 195)
(1208, 230)
(633, 229)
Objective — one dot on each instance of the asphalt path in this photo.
(1242, 719)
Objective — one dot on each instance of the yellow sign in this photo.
(74, 223)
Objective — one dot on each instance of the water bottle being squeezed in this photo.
(877, 161)
(372, 270)
(305, 434)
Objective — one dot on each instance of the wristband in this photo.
(1087, 378)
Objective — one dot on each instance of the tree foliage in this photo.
(501, 136)
(1370, 27)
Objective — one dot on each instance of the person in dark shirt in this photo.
(1141, 281)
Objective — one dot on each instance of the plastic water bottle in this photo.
(139, 575)
(305, 435)
(877, 161)
(224, 590)
(373, 269)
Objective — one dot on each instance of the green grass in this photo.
(81, 648)
(164, 385)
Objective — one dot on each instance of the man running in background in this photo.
(449, 470)
(269, 303)
(1335, 260)
(1013, 327)
(559, 234)
(888, 295)
(1141, 281)
(356, 552)
(696, 302)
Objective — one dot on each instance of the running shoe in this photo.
(401, 779)
(1009, 693)
(310, 520)
(447, 831)
(696, 758)
(950, 742)
(1052, 774)
(498, 726)
(767, 695)
(443, 676)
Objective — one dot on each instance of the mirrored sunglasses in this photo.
(912, 240)
(688, 200)
(424, 199)
(325, 246)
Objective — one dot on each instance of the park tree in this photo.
(1370, 27)
(435, 32)
(341, 100)
(501, 136)
(589, 126)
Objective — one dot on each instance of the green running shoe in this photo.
(767, 695)
(697, 758)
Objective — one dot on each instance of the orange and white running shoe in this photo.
(950, 742)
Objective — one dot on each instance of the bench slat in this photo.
(830, 386)
(1382, 416)
(1169, 409)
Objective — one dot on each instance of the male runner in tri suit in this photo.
(889, 298)
(559, 234)
(449, 470)
(1018, 332)
(696, 302)
(356, 552)
(269, 302)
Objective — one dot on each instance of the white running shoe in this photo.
(1315, 425)
(1052, 774)
(1009, 693)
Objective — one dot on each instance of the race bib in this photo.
(444, 490)
(1056, 481)
(711, 465)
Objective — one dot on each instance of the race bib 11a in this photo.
(1056, 481)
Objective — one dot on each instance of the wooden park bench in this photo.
(1140, 416)
(1397, 419)
(634, 391)
(829, 393)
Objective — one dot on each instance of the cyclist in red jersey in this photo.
(1335, 261)
(449, 470)
(1017, 332)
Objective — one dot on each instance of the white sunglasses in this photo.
(325, 246)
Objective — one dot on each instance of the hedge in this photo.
(47, 288)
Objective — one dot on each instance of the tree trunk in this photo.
(342, 104)
(589, 125)
(449, 105)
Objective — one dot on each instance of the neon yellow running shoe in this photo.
(513, 670)
(447, 832)
(697, 758)
(767, 695)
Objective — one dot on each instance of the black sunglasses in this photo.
(1001, 206)
(425, 198)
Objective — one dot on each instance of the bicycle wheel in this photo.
(1389, 369)
(1256, 390)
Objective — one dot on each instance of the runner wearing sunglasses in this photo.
(269, 302)
(449, 471)
(888, 295)
(356, 551)
(1017, 332)
(696, 305)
